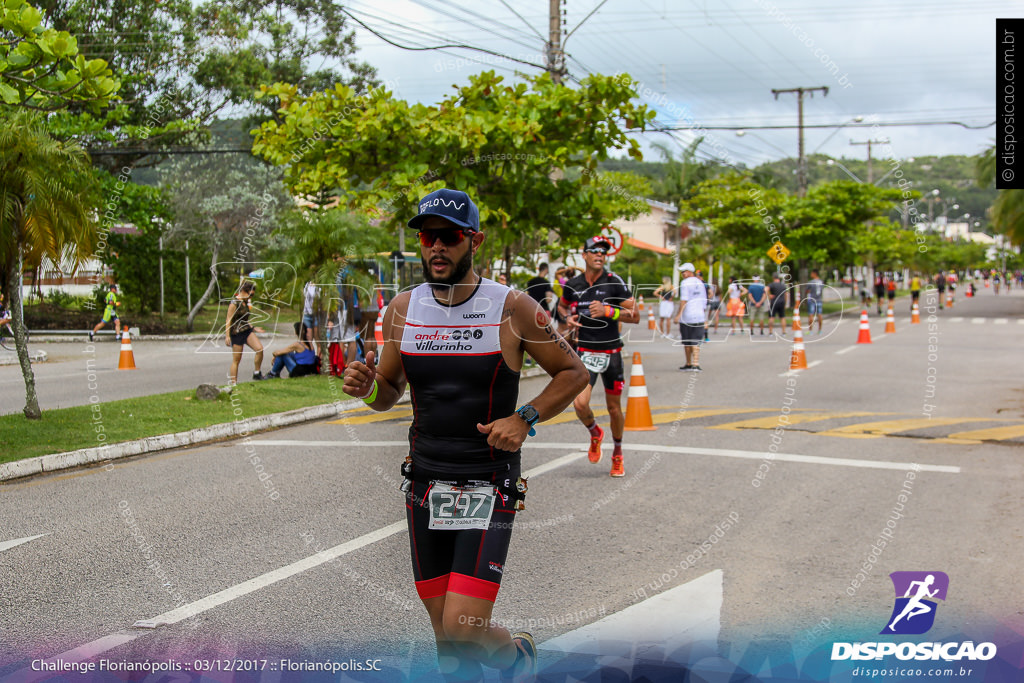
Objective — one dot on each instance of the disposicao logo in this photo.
(917, 596)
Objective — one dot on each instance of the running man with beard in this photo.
(458, 340)
(595, 302)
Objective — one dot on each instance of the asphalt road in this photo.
(313, 562)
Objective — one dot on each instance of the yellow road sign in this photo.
(778, 252)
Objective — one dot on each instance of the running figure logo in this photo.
(916, 601)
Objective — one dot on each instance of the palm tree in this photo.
(1007, 210)
(46, 210)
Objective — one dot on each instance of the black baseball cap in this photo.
(454, 205)
(596, 240)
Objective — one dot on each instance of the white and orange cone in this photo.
(890, 321)
(949, 299)
(127, 360)
(641, 303)
(796, 315)
(378, 331)
(915, 314)
(638, 406)
(798, 360)
(651, 324)
(864, 337)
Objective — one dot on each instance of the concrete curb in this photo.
(56, 462)
(33, 357)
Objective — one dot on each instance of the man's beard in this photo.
(461, 268)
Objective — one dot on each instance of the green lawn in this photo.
(69, 429)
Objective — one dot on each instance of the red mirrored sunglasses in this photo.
(449, 237)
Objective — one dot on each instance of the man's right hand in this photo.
(359, 377)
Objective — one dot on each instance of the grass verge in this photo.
(68, 429)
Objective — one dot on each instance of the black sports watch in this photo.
(530, 416)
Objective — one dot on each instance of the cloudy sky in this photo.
(715, 63)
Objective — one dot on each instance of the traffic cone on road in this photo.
(949, 299)
(864, 337)
(798, 361)
(641, 303)
(915, 315)
(796, 315)
(127, 360)
(638, 407)
(378, 330)
(651, 324)
(890, 321)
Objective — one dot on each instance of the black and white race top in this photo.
(452, 358)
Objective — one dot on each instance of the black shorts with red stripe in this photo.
(464, 561)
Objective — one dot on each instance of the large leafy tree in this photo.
(41, 67)
(47, 195)
(1007, 212)
(500, 143)
(230, 205)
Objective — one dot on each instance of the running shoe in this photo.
(686, 368)
(525, 666)
(695, 368)
(91, 336)
(617, 469)
(594, 452)
(257, 376)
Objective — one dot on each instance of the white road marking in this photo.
(682, 450)
(846, 350)
(977, 321)
(1001, 321)
(660, 625)
(7, 545)
(957, 319)
(790, 373)
(107, 643)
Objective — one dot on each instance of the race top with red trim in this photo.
(596, 334)
(458, 377)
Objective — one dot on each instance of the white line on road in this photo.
(663, 623)
(846, 350)
(957, 319)
(977, 321)
(683, 450)
(7, 545)
(101, 645)
(790, 373)
(1001, 321)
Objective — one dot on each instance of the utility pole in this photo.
(801, 167)
(869, 143)
(556, 59)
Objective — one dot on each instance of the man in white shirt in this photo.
(693, 302)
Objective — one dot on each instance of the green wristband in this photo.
(612, 312)
(372, 396)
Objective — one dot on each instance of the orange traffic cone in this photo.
(378, 331)
(127, 360)
(949, 299)
(651, 324)
(915, 315)
(641, 303)
(638, 407)
(798, 361)
(796, 315)
(865, 329)
(890, 321)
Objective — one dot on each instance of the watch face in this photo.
(528, 413)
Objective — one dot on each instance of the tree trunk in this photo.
(13, 279)
(209, 289)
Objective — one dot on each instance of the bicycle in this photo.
(7, 337)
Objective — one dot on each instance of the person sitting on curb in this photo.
(298, 357)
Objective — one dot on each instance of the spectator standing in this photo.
(666, 306)
(310, 295)
(540, 290)
(735, 309)
(940, 284)
(776, 303)
(693, 303)
(240, 333)
(815, 292)
(757, 295)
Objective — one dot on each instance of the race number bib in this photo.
(595, 362)
(467, 507)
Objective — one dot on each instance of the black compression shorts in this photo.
(614, 377)
(465, 561)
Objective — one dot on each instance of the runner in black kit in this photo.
(595, 302)
(459, 341)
